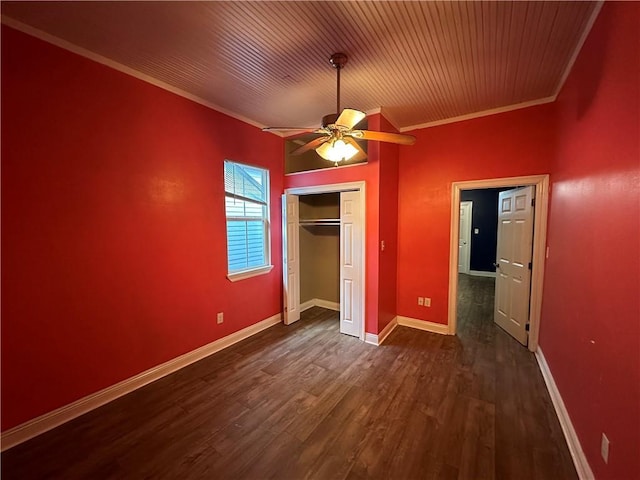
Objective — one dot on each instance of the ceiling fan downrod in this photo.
(338, 61)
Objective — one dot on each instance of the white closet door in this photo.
(290, 260)
(351, 262)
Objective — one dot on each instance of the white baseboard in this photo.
(307, 305)
(423, 325)
(374, 339)
(371, 338)
(382, 336)
(318, 302)
(327, 304)
(478, 273)
(50, 420)
(579, 459)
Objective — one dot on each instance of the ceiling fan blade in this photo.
(312, 145)
(301, 129)
(349, 118)
(399, 138)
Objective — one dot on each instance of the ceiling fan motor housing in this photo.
(329, 119)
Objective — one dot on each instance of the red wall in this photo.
(387, 279)
(113, 229)
(590, 329)
(510, 144)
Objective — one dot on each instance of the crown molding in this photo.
(483, 113)
(83, 52)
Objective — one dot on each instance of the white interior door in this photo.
(464, 240)
(513, 272)
(351, 230)
(290, 258)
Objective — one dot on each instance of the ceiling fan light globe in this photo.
(336, 151)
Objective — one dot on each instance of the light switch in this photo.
(476, 231)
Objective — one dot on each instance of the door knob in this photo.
(497, 265)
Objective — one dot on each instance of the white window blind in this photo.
(247, 210)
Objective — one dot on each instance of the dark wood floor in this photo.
(306, 402)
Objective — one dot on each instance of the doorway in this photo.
(541, 184)
(349, 219)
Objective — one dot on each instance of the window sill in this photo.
(234, 277)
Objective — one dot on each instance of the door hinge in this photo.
(533, 202)
(526, 327)
(530, 265)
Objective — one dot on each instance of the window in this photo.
(247, 210)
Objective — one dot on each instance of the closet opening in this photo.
(324, 251)
(320, 251)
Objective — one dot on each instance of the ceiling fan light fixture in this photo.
(337, 151)
(336, 142)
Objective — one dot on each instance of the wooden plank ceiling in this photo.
(421, 62)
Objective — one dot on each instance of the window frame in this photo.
(235, 275)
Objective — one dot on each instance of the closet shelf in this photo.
(309, 222)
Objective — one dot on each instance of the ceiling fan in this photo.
(336, 142)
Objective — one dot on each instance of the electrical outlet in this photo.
(220, 318)
(427, 302)
(420, 300)
(604, 448)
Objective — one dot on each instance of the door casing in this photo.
(541, 182)
(344, 187)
